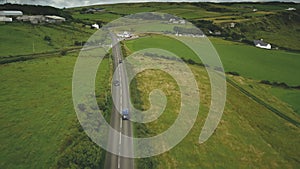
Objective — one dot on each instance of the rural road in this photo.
(120, 94)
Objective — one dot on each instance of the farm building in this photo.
(95, 26)
(125, 34)
(218, 33)
(54, 19)
(262, 44)
(232, 25)
(5, 19)
(291, 9)
(11, 13)
(174, 21)
(34, 19)
(93, 10)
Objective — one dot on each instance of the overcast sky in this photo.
(74, 3)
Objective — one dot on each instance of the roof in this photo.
(55, 17)
(259, 42)
(125, 112)
(11, 13)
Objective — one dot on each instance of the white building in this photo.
(5, 19)
(54, 19)
(96, 26)
(232, 24)
(291, 9)
(181, 21)
(262, 44)
(11, 13)
(174, 21)
(125, 34)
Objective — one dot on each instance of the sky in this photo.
(74, 3)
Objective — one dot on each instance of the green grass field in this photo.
(287, 100)
(22, 38)
(291, 96)
(258, 63)
(37, 111)
(161, 42)
(246, 136)
(39, 128)
(248, 61)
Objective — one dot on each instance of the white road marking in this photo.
(120, 138)
(119, 149)
(120, 123)
(121, 99)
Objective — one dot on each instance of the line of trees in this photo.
(279, 84)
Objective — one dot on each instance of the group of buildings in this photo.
(126, 35)
(9, 16)
(177, 21)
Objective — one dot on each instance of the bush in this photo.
(47, 38)
(190, 61)
(266, 82)
(63, 53)
(234, 73)
(82, 154)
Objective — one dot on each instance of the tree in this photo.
(47, 38)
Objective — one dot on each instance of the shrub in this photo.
(63, 52)
(47, 38)
(234, 73)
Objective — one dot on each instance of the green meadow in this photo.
(291, 96)
(24, 38)
(260, 64)
(37, 114)
(246, 136)
(161, 42)
(247, 60)
(39, 127)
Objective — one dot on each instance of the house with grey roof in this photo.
(262, 44)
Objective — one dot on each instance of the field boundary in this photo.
(261, 102)
(20, 58)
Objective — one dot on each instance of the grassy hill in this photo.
(249, 134)
(39, 128)
(24, 38)
(248, 61)
(270, 21)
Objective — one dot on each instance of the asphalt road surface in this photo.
(121, 96)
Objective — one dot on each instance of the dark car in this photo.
(120, 61)
(116, 83)
(125, 114)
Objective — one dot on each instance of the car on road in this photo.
(116, 83)
(125, 114)
(120, 61)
